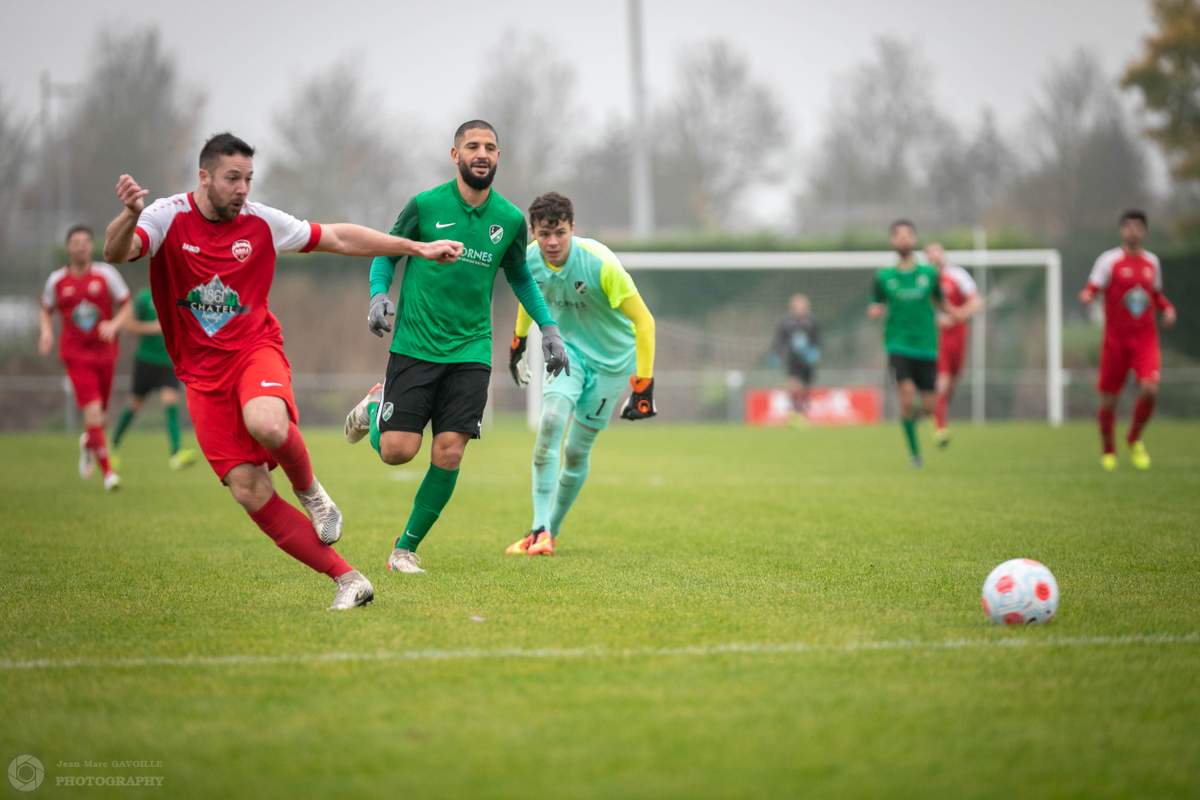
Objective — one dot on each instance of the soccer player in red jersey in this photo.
(212, 259)
(1131, 280)
(962, 302)
(93, 301)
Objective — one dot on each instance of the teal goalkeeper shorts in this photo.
(595, 394)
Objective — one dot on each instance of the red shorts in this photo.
(91, 380)
(1119, 356)
(950, 358)
(217, 415)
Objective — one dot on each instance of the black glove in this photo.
(553, 352)
(381, 309)
(516, 360)
(640, 404)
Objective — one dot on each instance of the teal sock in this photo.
(556, 413)
(431, 498)
(172, 413)
(122, 426)
(373, 413)
(910, 435)
(577, 456)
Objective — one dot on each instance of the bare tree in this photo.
(528, 93)
(338, 157)
(885, 129)
(132, 114)
(967, 178)
(14, 154)
(721, 130)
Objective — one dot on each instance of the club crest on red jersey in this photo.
(242, 249)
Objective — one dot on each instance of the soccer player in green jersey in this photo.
(441, 349)
(907, 296)
(610, 342)
(152, 371)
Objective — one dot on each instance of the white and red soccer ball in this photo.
(1020, 592)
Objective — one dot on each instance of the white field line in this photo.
(601, 653)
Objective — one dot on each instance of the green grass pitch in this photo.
(732, 613)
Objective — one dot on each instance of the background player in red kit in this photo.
(93, 301)
(962, 302)
(1131, 280)
(212, 259)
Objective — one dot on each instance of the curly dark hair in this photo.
(551, 209)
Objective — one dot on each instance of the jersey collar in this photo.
(467, 207)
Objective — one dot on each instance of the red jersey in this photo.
(1132, 286)
(210, 281)
(84, 301)
(957, 287)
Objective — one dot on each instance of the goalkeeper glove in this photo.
(553, 351)
(516, 360)
(640, 404)
(381, 309)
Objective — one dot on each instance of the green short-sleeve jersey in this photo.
(910, 295)
(445, 310)
(151, 348)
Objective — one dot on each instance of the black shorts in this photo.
(416, 392)
(147, 377)
(921, 371)
(801, 371)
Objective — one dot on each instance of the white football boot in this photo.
(112, 482)
(353, 590)
(325, 515)
(358, 421)
(404, 561)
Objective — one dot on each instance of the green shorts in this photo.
(595, 394)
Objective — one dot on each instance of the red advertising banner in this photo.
(855, 405)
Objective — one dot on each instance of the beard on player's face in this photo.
(478, 182)
(226, 207)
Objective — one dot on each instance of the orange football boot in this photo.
(521, 546)
(543, 545)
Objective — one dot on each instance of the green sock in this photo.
(431, 498)
(122, 426)
(372, 413)
(910, 434)
(172, 413)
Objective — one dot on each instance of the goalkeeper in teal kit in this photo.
(440, 362)
(610, 345)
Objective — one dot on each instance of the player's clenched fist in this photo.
(131, 195)
(640, 404)
(443, 251)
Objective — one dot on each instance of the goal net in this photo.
(717, 312)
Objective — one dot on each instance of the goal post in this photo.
(980, 261)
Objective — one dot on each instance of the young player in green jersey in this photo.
(441, 349)
(907, 296)
(610, 342)
(152, 370)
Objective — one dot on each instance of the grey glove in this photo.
(381, 309)
(553, 351)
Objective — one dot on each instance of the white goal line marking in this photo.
(601, 653)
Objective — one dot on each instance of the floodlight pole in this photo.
(641, 186)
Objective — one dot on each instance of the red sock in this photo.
(1141, 415)
(940, 408)
(292, 457)
(99, 448)
(1108, 422)
(294, 535)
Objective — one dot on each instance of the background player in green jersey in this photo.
(152, 370)
(441, 349)
(907, 296)
(609, 333)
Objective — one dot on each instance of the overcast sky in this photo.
(425, 58)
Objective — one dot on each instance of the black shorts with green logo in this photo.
(148, 376)
(416, 393)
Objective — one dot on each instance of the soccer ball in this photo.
(1020, 592)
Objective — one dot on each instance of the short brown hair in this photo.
(79, 227)
(551, 209)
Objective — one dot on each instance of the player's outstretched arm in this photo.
(120, 245)
(348, 239)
